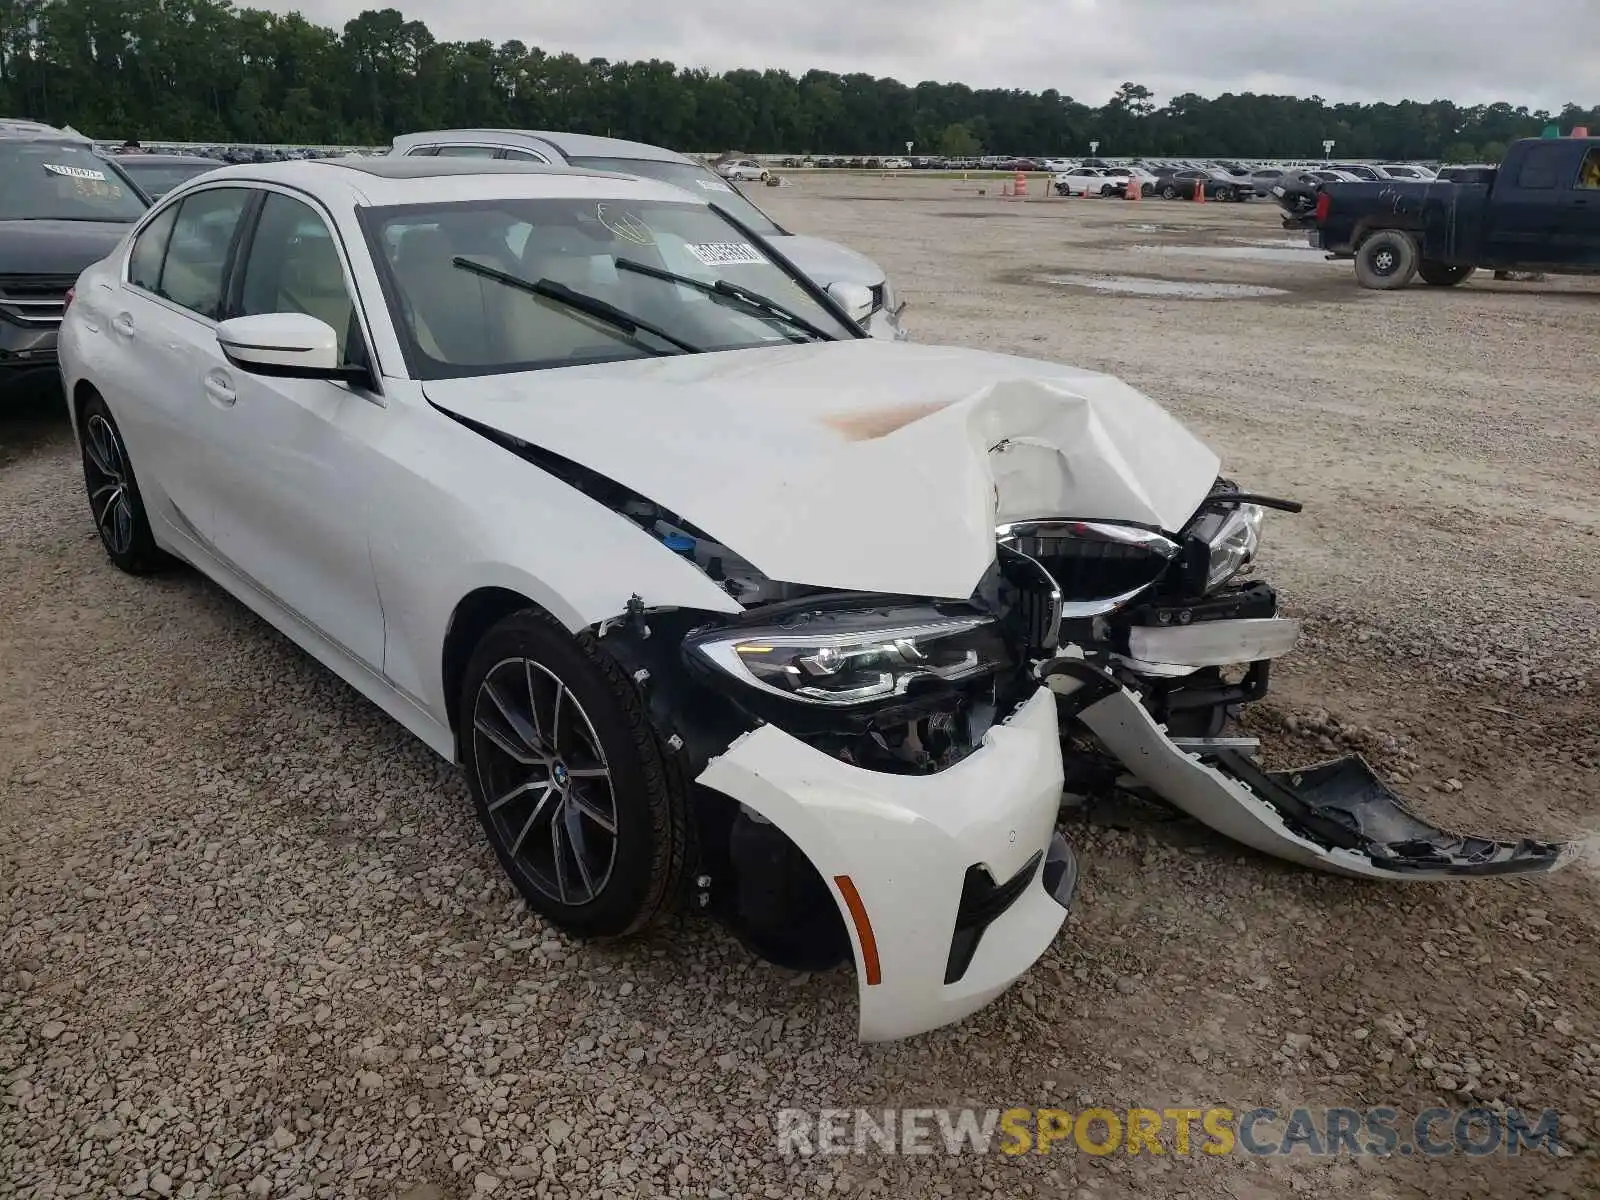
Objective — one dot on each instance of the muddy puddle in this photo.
(1179, 289)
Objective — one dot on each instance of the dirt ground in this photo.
(252, 943)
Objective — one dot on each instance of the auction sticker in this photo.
(714, 185)
(74, 172)
(725, 254)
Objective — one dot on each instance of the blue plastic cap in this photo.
(680, 543)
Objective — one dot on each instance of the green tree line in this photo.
(202, 70)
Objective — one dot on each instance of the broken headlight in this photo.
(1234, 544)
(857, 658)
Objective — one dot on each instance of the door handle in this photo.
(123, 324)
(220, 389)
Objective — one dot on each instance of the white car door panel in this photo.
(295, 457)
(161, 320)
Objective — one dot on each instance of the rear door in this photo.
(1525, 207)
(163, 321)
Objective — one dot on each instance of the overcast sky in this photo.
(1541, 53)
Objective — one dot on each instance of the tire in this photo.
(1169, 192)
(1437, 274)
(1063, 190)
(1386, 260)
(115, 503)
(568, 778)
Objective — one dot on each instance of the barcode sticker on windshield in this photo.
(725, 254)
(714, 185)
(74, 172)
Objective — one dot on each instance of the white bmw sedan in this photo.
(461, 429)
(716, 600)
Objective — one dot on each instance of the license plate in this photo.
(1278, 190)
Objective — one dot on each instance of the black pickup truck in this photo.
(1539, 210)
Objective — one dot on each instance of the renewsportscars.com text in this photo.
(1317, 1132)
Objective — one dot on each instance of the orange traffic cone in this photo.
(1199, 191)
(1133, 189)
(1580, 131)
(1022, 184)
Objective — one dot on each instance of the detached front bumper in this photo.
(951, 885)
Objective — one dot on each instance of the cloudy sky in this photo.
(1541, 53)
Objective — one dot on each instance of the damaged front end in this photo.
(1153, 642)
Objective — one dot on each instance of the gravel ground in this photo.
(252, 943)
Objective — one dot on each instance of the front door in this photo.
(292, 515)
(1578, 216)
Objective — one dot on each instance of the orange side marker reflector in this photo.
(858, 914)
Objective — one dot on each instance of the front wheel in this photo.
(1169, 192)
(568, 778)
(1437, 274)
(1386, 260)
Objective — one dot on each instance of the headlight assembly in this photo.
(1234, 544)
(856, 658)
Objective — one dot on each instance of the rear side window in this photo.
(520, 156)
(150, 251)
(1541, 169)
(467, 151)
(198, 250)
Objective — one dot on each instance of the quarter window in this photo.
(521, 155)
(197, 253)
(294, 266)
(149, 251)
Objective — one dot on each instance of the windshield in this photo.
(157, 179)
(62, 181)
(696, 180)
(455, 318)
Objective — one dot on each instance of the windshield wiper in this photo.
(592, 306)
(730, 291)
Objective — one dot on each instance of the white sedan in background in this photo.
(715, 599)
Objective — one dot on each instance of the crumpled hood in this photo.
(828, 262)
(864, 465)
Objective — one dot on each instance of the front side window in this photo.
(197, 254)
(294, 266)
(693, 178)
(1589, 174)
(63, 181)
(440, 264)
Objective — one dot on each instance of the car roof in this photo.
(384, 180)
(569, 145)
(21, 129)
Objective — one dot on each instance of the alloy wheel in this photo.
(545, 780)
(106, 469)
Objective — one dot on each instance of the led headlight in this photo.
(1234, 544)
(847, 658)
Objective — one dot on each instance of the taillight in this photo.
(67, 303)
(1323, 202)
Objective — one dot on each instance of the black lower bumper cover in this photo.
(983, 900)
(1344, 804)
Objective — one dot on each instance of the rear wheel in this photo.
(1386, 260)
(1442, 275)
(568, 778)
(114, 499)
(1169, 192)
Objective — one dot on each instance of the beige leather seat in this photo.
(311, 281)
(450, 310)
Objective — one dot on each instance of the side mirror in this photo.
(854, 298)
(285, 345)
